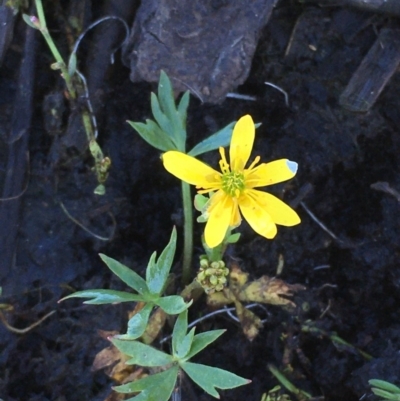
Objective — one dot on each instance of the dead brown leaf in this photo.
(268, 290)
(154, 326)
(251, 323)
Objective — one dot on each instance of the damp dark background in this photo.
(348, 264)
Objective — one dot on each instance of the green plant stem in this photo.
(188, 233)
(216, 254)
(102, 164)
(53, 48)
(300, 394)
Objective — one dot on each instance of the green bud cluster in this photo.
(212, 275)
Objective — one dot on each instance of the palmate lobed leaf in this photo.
(185, 345)
(153, 135)
(142, 354)
(157, 387)
(137, 324)
(127, 275)
(172, 304)
(210, 378)
(168, 107)
(183, 106)
(102, 297)
(179, 331)
(202, 340)
(166, 95)
(221, 138)
(162, 120)
(157, 272)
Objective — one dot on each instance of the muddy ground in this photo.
(346, 257)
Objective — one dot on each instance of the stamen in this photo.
(256, 160)
(223, 164)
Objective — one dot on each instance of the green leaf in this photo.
(200, 202)
(157, 273)
(127, 275)
(384, 385)
(151, 266)
(172, 304)
(153, 135)
(137, 324)
(183, 106)
(157, 387)
(142, 354)
(169, 130)
(100, 297)
(385, 394)
(166, 96)
(27, 20)
(202, 340)
(221, 138)
(180, 330)
(162, 120)
(167, 105)
(183, 347)
(100, 190)
(166, 93)
(233, 238)
(210, 378)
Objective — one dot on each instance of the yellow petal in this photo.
(270, 173)
(258, 218)
(279, 211)
(241, 143)
(235, 218)
(191, 170)
(221, 210)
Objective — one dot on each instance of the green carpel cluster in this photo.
(212, 276)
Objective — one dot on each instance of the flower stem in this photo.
(53, 48)
(102, 164)
(188, 233)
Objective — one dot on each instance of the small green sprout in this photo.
(384, 389)
(76, 85)
(148, 291)
(301, 395)
(185, 346)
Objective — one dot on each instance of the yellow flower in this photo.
(233, 186)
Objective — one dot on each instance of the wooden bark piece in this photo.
(204, 46)
(377, 67)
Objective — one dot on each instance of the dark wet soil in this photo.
(347, 259)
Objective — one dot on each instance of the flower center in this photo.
(233, 183)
